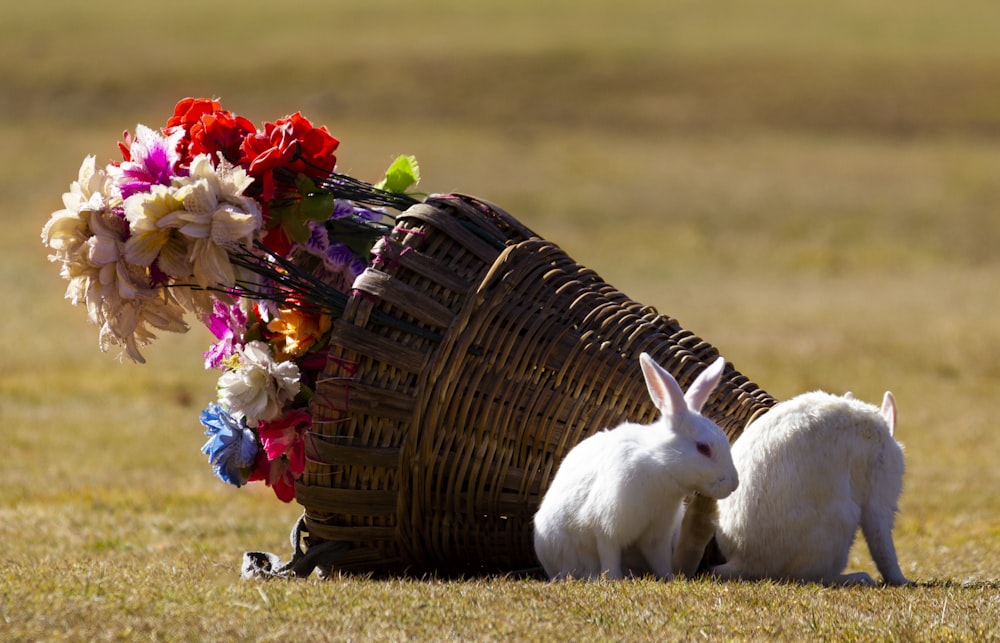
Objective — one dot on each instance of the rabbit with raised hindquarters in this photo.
(812, 470)
(618, 493)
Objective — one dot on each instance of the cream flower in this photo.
(102, 274)
(155, 218)
(217, 217)
(259, 386)
(190, 226)
(68, 229)
(88, 239)
(117, 294)
(131, 322)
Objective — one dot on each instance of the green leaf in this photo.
(304, 184)
(294, 218)
(402, 174)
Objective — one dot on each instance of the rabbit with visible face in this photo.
(619, 491)
(812, 470)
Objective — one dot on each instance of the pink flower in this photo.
(151, 159)
(286, 436)
(227, 323)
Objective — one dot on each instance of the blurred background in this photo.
(811, 188)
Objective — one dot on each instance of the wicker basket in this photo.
(473, 355)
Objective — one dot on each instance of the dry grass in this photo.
(815, 192)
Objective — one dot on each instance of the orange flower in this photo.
(297, 331)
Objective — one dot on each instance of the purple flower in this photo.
(231, 447)
(319, 239)
(154, 158)
(227, 323)
(343, 208)
(338, 255)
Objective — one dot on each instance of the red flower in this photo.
(189, 111)
(276, 474)
(209, 129)
(290, 143)
(125, 145)
(221, 132)
(276, 239)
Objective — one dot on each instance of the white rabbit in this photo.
(620, 490)
(813, 469)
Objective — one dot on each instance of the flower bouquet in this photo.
(250, 230)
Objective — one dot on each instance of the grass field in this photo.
(814, 190)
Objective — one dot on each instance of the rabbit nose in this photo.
(727, 484)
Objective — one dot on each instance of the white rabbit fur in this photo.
(618, 493)
(812, 470)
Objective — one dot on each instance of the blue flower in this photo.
(231, 446)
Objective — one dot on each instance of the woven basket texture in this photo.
(472, 356)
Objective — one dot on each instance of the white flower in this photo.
(258, 388)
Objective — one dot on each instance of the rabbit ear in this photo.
(889, 411)
(704, 384)
(848, 396)
(664, 390)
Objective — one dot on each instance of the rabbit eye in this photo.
(704, 449)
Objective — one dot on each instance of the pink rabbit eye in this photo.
(704, 449)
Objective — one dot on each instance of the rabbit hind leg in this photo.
(857, 578)
(727, 571)
(877, 528)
